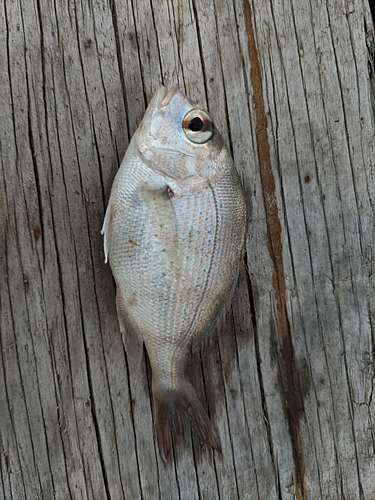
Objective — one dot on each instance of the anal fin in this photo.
(206, 344)
(133, 343)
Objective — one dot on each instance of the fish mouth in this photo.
(168, 96)
(164, 97)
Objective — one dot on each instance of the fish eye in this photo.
(197, 126)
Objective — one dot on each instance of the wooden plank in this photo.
(290, 383)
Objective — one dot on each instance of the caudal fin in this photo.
(171, 406)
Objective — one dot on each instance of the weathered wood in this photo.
(290, 384)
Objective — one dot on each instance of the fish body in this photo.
(174, 234)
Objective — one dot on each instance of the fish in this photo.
(174, 235)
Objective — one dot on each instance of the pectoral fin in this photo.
(162, 219)
(133, 343)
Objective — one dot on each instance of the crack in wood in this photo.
(275, 250)
(372, 9)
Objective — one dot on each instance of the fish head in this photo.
(178, 139)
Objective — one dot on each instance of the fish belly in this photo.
(175, 259)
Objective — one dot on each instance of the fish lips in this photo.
(168, 96)
(167, 109)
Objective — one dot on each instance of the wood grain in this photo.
(290, 383)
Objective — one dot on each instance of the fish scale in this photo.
(174, 235)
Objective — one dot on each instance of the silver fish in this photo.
(174, 234)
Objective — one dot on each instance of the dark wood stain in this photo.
(275, 250)
(37, 232)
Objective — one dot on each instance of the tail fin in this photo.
(171, 406)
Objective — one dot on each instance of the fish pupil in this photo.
(196, 124)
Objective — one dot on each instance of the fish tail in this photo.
(171, 406)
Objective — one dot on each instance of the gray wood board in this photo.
(290, 382)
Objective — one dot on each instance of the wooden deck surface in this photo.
(290, 385)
